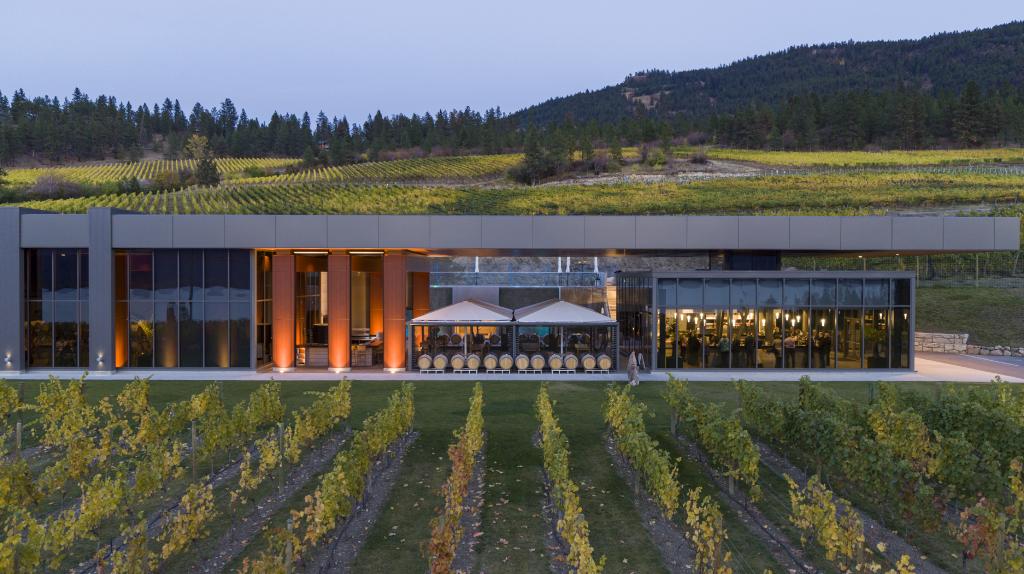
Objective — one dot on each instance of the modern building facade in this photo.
(112, 290)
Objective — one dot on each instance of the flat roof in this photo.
(484, 234)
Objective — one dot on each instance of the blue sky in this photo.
(353, 58)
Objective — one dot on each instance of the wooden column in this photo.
(339, 310)
(394, 287)
(284, 310)
(420, 299)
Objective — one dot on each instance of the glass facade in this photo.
(56, 299)
(795, 323)
(183, 308)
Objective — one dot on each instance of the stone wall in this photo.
(956, 343)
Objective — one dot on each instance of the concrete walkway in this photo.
(930, 367)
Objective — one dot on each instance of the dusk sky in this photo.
(352, 58)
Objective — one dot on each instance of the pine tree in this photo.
(968, 118)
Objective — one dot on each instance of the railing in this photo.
(516, 279)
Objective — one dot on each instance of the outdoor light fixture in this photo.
(99, 359)
(7, 360)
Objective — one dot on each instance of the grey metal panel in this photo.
(661, 232)
(815, 232)
(968, 233)
(301, 231)
(11, 279)
(54, 230)
(199, 231)
(406, 231)
(506, 231)
(712, 232)
(1007, 233)
(866, 233)
(610, 231)
(134, 230)
(353, 231)
(558, 232)
(762, 232)
(910, 233)
(101, 289)
(249, 231)
(456, 231)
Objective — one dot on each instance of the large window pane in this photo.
(901, 338)
(668, 344)
(166, 334)
(65, 274)
(83, 275)
(901, 292)
(240, 279)
(216, 275)
(744, 349)
(190, 334)
(690, 293)
(691, 350)
(666, 293)
(769, 293)
(140, 334)
(876, 292)
(39, 316)
(851, 292)
(848, 350)
(39, 274)
(217, 339)
(823, 292)
(795, 351)
(140, 275)
(744, 293)
(241, 334)
(822, 343)
(190, 275)
(876, 338)
(166, 273)
(796, 293)
(716, 294)
(65, 334)
(120, 276)
(717, 344)
(769, 335)
(83, 335)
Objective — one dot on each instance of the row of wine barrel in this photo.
(521, 362)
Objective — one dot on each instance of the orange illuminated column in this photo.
(339, 275)
(284, 310)
(394, 286)
(376, 303)
(420, 298)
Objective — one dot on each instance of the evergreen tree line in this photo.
(81, 128)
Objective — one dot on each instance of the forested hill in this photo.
(943, 63)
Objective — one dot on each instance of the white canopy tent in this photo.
(468, 312)
(556, 312)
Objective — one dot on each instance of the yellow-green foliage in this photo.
(572, 526)
(142, 170)
(865, 158)
(625, 417)
(426, 168)
(726, 441)
(826, 194)
(446, 529)
(706, 532)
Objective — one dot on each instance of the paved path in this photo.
(1005, 367)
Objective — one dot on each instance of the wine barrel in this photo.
(604, 362)
(522, 362)
(589, 362)
(537, 362)
(571, 362)
(458, 361)
(505, 361)
(424, 362)
(555, 361)
(440, 361)
(473, 361)
(491, 362)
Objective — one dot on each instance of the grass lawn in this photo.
(991, 315)
(513, 532)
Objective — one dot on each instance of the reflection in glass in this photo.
(717, 345)
(744, 346)
(823, 292)
(165, 274)
(216, 333)
(165, 334)
(65, 334)
(851, 292)
(876, 338)
(769, 335)
(690, 339)
(241, 334)
(65, 274)
(39, 274)
(901, 338)
(40, 333)
(822, 348)
(140, 275)
(190, 334)
(239, 263)
(190, 275)
(876, 292)
(667, 342)
(848, 351)
(83, 334)
(796, 293)
(140, 334)
(215, 275)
